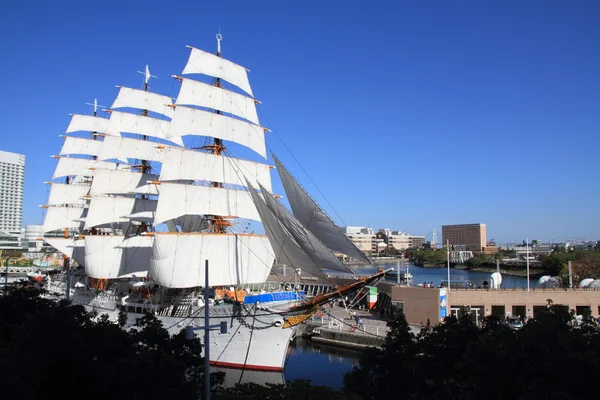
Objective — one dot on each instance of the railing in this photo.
(330, 322)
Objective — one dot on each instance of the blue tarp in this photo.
(276, 296)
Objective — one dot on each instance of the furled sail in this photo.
(76, 145)
(105, 210)
(63, 217)
(181, 164)
(191, 121)
(176, 200)
(122, 182)
(202, 62)
(119, 148)
(234, 259)
(310, 214)
(311, 245)
(286, 249)
(68, 166)
(142, 100)
(61, 193)
(89, 123)
(110, 257)
(142, 125)
(205, 95)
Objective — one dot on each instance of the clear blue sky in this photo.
(406, 114)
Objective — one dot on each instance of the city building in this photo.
(363, 238)
(465, 237)
(400, 241)
(30, 238)
(12, 179)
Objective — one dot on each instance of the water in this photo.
(321, 365)
(436, 275)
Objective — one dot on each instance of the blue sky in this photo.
(407, 115)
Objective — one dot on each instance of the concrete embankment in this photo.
(346, 339)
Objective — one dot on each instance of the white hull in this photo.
(256, 339)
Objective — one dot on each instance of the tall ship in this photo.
(141, 215)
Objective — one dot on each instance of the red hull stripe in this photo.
(245, 366)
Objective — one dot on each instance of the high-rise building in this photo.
(465, 237)
(12, 179)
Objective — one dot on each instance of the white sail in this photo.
(63, 217)
(311, 245)
(310, 214)
(191, 121)
(122, 182)
(61, 193)
(68, 166)
(76, 145)
(89, 123)
(201, 62)
(119, 148)
(176, 200)
(286, 249)
(181, 164)
(142, 100)
(142, 125)
(178, 259)
(204, 95)
(72, 248)
(110, 257)
(105, 210)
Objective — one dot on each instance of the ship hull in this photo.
(255, 339)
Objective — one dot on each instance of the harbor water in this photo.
(321, 365)
(437, 275)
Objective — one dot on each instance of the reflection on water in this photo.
(235, 376)
(322, 365)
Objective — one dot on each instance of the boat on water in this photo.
(141, 211)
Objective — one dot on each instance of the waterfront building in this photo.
(420, 304)
(12, 178)
(465, 237)
(363, 238)
(400, 241)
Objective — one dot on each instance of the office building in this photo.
(12, 179)
(465, 237)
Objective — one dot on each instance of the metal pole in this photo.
(398, 269)
(448, 253)
(68, 265)
(206, 337)
(570, 275)
(527, 259)
(6, 277)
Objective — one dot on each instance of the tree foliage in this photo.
(546, 359)
(423, 257)
(54, 350)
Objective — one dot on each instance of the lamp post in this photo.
(189, 334)
(448, 260)
(527, 260)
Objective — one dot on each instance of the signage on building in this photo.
(443, 304)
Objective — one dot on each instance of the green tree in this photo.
(54, 350)
(458, 360)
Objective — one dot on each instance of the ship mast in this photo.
(217, 224)
(95, 135)
(145, 166)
